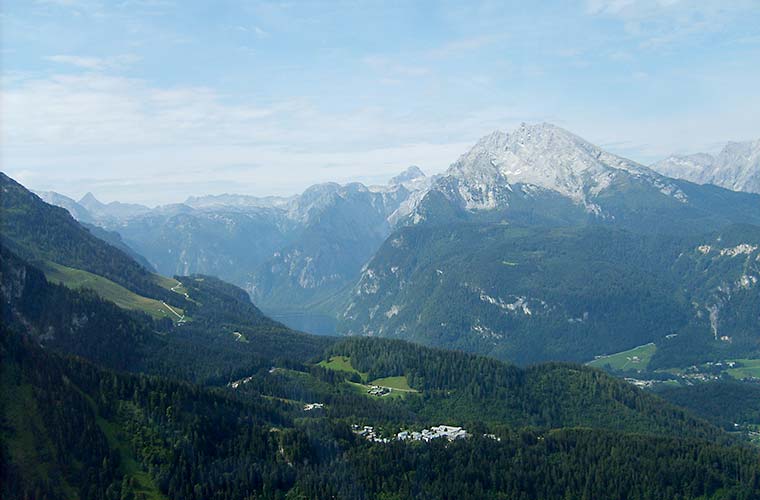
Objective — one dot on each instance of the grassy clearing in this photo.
(165, 282)
(341, 364)
(633, 359)
(118, 440)
(399, 385)
(750, 369)
(396, 383)
(239, 337)
(108, 290)
(170, 284)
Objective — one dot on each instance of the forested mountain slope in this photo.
(537, 245)
(72, 430)
(226, 332)
(38, 231)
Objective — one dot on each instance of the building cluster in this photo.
(447, 432)
(642, 384)
(313, 406)
(694, 374)
(368, 432)
(238, 383)
(377, 390)
(440, 431)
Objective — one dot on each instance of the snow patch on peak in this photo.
(548, 157)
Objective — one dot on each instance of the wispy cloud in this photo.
(95, 63)
(391, 68)
(67, 125)
(257, 31)
(463, 46)
(66, 3)
(659, 23)
(94, 8)
(349, 90)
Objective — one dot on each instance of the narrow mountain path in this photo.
(174, 289)
(180, 316)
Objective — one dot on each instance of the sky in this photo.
(152, 101)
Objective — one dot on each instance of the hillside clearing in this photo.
(633, 359)
(750, 369)
(108, 290)
(341, 364)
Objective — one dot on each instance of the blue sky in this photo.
(154, 100)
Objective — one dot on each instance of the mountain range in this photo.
(736, 167)
(120, 383)
(288, 253)
(493, 256)
(537, 245)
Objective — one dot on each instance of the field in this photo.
(633, 359)
(170, 284)
(394, 393)
(108, 290)
(239, 337)
(395, 383)
(399, 385)
(750, 369)
(341, 364)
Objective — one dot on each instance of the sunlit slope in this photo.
(108, 290)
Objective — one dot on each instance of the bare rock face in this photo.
(736, 167)
(540, 158)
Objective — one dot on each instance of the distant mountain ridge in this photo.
(736, 167)
(236, 200)
(115, 210)
(288, 252)
(310, 251)
(76, 210)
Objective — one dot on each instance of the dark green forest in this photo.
(85, 432)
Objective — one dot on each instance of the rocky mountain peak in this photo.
(89, 202)
(542, 155)
(736, 167)
(410, 174)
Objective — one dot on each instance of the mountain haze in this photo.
(295, 253)
(736, 167)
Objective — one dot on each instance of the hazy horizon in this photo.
(150, 101)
